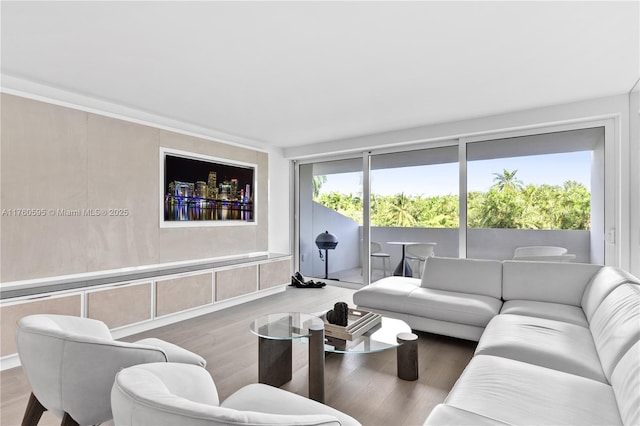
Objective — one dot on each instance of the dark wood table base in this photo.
(274, 361)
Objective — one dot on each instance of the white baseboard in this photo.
(9, 361)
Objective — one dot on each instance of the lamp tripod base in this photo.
(326, 266)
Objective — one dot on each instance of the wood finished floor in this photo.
(363, 386)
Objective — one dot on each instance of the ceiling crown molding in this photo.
(26, 88)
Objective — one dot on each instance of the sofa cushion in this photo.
(603, 283)
(446, 415)
(464, 275)
(625, 381)
(554, 311)
(462, 308)
(546, 281)
(615, 325)
(543, 342)
(525, 394)
(388, 293)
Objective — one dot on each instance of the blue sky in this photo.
(442, 179)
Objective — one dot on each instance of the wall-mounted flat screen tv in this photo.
(198, 190)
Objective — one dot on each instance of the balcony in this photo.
(345, 261)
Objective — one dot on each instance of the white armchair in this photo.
(163, 394)
(71, 363)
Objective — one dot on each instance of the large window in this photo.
(549, 191)
(535, 190)
(415, 189)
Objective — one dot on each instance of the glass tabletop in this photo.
(379, 338)
(284, 325)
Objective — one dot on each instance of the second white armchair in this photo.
(180, 394)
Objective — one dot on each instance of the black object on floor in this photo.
(297, 280)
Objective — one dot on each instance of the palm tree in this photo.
(400, 210)
(507, 180)
(317, 184)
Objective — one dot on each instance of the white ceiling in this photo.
(293, 73)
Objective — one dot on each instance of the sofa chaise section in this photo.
(455, 297)
(389, 294)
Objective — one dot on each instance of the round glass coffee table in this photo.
(275, 333)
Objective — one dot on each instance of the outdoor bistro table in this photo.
(403, 269)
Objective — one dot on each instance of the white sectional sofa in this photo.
(558, 343)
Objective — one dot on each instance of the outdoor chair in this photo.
(543, 254)
(419, 253)
(377, 253)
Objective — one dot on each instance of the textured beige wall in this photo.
(123, 174)
(60, 158)
(11, 314)
(44, 165)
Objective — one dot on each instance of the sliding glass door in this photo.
(330, 200)
(414, 199)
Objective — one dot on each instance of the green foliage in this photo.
(503, 206)
(347, 205)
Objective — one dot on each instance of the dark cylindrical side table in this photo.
(407, 356)
(316, 361)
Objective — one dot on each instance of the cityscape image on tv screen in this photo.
(203, 190)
